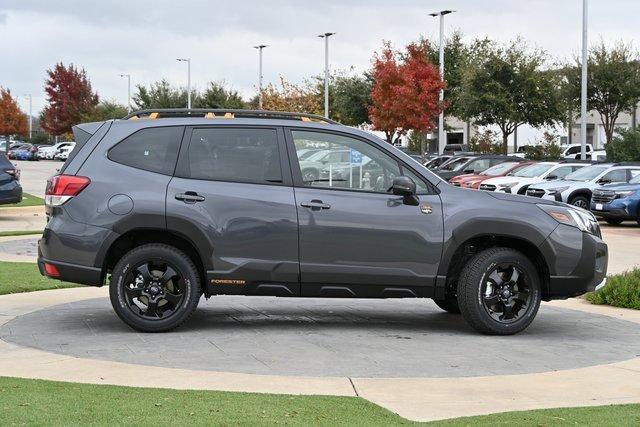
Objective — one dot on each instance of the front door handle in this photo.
(315, 205)
(189, 197)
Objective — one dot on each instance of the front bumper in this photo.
(578, 262)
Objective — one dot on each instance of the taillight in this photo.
(61, 188)
(13, 172)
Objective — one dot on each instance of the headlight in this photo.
(553, 191)
(623, 194)
(575, 217)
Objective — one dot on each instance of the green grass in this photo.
(19, 233)
(27, 200)
(622, 290)
(18, 277)
(38, 402)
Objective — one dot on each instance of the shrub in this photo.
(546, 149)
(485, 141)
(622, 290)
(625, 147)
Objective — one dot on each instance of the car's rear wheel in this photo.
(154, 288)
(580, 202)
(614, 221)
(449, 304)
(499, 291)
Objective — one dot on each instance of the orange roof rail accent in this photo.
(133, 118)
(153, 116)
(229, 116)
(305, 119)
(209, 116)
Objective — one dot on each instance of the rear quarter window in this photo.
(151, 149)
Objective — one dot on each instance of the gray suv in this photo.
(166, 206)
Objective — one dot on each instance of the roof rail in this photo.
(222, 113)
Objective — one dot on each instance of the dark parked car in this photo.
(436, 162)
(10, 189)
(174, 205)
(472, 164)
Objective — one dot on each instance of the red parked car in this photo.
(474, 180)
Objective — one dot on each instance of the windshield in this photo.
(317, 156)
(307, 154)
(499, 169)
(586, 174)
(532, 171)
(455, 165)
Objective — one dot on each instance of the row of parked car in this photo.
(27, 151)
(610, 190)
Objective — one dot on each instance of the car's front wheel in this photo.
(499, 291)
(580, 201)
(154, 288)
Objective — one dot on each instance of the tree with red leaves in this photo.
(70, 99)
(405, 94)
(12, 120)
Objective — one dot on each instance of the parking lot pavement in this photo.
(588, 356)
(34, 175)
(623, 241)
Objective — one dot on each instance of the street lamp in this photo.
(583, 83)
(128, 76)
(326, 36)
(29, 97)
(188, 61)
(441, 141)
(260, 47)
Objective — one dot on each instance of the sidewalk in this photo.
(19, 219)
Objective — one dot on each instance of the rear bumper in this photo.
(10, 193)
(81, 274)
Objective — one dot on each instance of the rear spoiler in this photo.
(84, 131)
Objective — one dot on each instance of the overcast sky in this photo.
(144, 37)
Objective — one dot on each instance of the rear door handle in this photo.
(315, 204)
(189, 197)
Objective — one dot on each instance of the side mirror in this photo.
(405, 187)
(551, 177)
(604, 181)
(468, 171)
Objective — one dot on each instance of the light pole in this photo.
(30, 98)
(188, 61)
(128, 76)
(441, 141)
(326, 36)
(583, 83)
(260, 47)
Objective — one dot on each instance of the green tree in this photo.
(485, 141)
(509, 89)
(106, 110)
(460, 57)
(349, 96)
(613, 82)
(218, 96)
(546, 149)
(162, 95)
(625, 147)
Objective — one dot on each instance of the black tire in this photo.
(614, 221)
(580, 201)
(474, 286)
(183, 287)
(450, 305)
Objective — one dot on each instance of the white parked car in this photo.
(572, 152)
(518, 181)
(49, 153)
(63, 153)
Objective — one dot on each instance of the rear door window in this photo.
(150, 149)
(236, 155)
